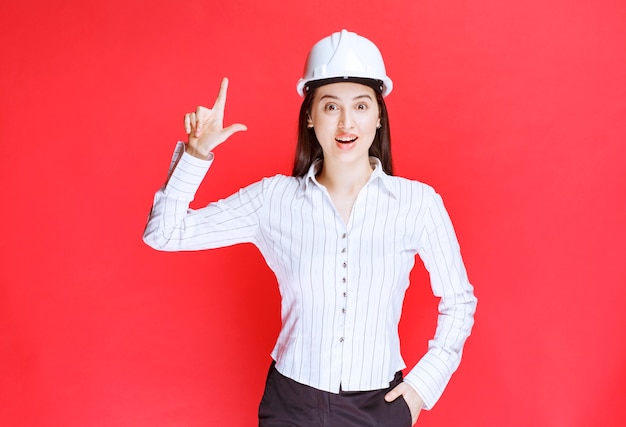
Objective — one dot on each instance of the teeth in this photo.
(345, 139)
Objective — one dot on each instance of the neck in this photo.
(344, 178)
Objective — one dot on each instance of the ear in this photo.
(378, 125)
(309, 122)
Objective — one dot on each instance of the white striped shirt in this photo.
(342, 285)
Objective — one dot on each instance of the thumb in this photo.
(393, 395)
(230, 130)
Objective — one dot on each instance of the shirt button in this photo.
(341, 339)
(345, 264)
(343, 310)
(343, 280)
(343, 251)
(345, 294)
(343, 236)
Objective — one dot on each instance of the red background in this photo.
(514, 111)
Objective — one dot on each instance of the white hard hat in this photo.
(345, 55)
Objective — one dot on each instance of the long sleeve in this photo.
(172, 226)
(441, 255)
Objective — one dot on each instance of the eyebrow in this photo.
(354, 99)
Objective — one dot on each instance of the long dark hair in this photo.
(308, 149)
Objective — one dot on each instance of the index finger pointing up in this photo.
(220, 101)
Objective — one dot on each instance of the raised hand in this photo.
(205, 127)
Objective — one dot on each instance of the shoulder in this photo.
(281, 183)
(401, 186)
(280, 179)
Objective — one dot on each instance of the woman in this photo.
(341, 236)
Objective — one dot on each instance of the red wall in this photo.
(514, 111)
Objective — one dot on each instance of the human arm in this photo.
(440, 252)
(172, 225)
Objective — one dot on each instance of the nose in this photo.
(346, 121)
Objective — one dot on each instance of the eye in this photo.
(331, 107)
(361, 106)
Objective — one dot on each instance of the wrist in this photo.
(195, 152)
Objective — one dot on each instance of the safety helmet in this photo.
(345, 56)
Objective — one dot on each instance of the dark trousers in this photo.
(287, 403)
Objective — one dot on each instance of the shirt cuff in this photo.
(429, 378)
(186, 173)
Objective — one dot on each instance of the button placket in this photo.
(344, 280)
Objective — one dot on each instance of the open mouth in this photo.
(346, 140)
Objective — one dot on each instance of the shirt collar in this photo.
(377, 174)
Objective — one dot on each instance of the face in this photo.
(345, 117)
